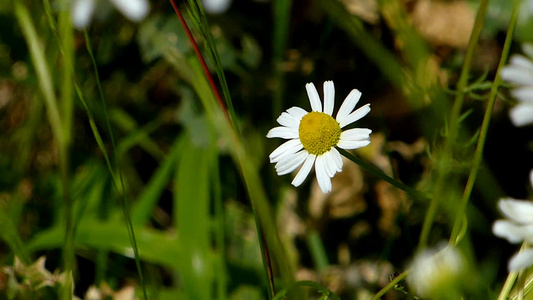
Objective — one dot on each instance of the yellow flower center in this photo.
(319, 132)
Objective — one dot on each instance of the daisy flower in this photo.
(519, 72)
(82, 10)
(314, 135)
(517, 228)
(437, 273)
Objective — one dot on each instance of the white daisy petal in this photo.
(283, 132)
(517, 75)
(291, 163)
(82, 11)
(216, 6)
(304, 171)
(521, 62)
(135, 10)
(288, 148)
(528, 49)
(329, 164)
(524, 94)
(519, 211)
(314, 99)
(287, 120)
(356, 134)
(297, 112)
(350, 145)
(356, 115)
(521, 114)
(510, 231)
(521, 261)
(324, 182)
(349, 104)
(329, 97)
(337, 158)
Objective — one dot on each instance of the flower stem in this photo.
(380, 174)
(444, 169)
(508, 285)
(478, 155)
(391, 285)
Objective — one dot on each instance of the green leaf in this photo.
(191, 210)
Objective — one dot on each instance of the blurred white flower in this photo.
(83, 10)
(519, 72)
(314, 135)
(436, 274)
(216, 6)
(517, 228)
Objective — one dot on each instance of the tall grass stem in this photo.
(447, 157)
(478, 154)
(122, 193)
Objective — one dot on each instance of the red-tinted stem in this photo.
(201, 58)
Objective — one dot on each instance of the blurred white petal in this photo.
(514, 233)
(216, 6)
(527, 47)
(521, 115)
(82, 11)
(524, 94)
(519, 211)
(135, 10)
(521, 261)
(517, 75)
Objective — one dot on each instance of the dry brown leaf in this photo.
(443, 23)
(390, 200)
(346, 197)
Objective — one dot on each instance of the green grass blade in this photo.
(192, 218)
(41, 67)
(200, 21)
(220, 258)
(144, 206)
(10, 235)
(478, 155)
(155, 246)
(260, 205)
(281, 20)
(121, 191)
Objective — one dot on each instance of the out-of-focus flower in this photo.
(216, 6)
(314, 135)
(519, 72)
(517, 228)
(83, 10)
(436, 274)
